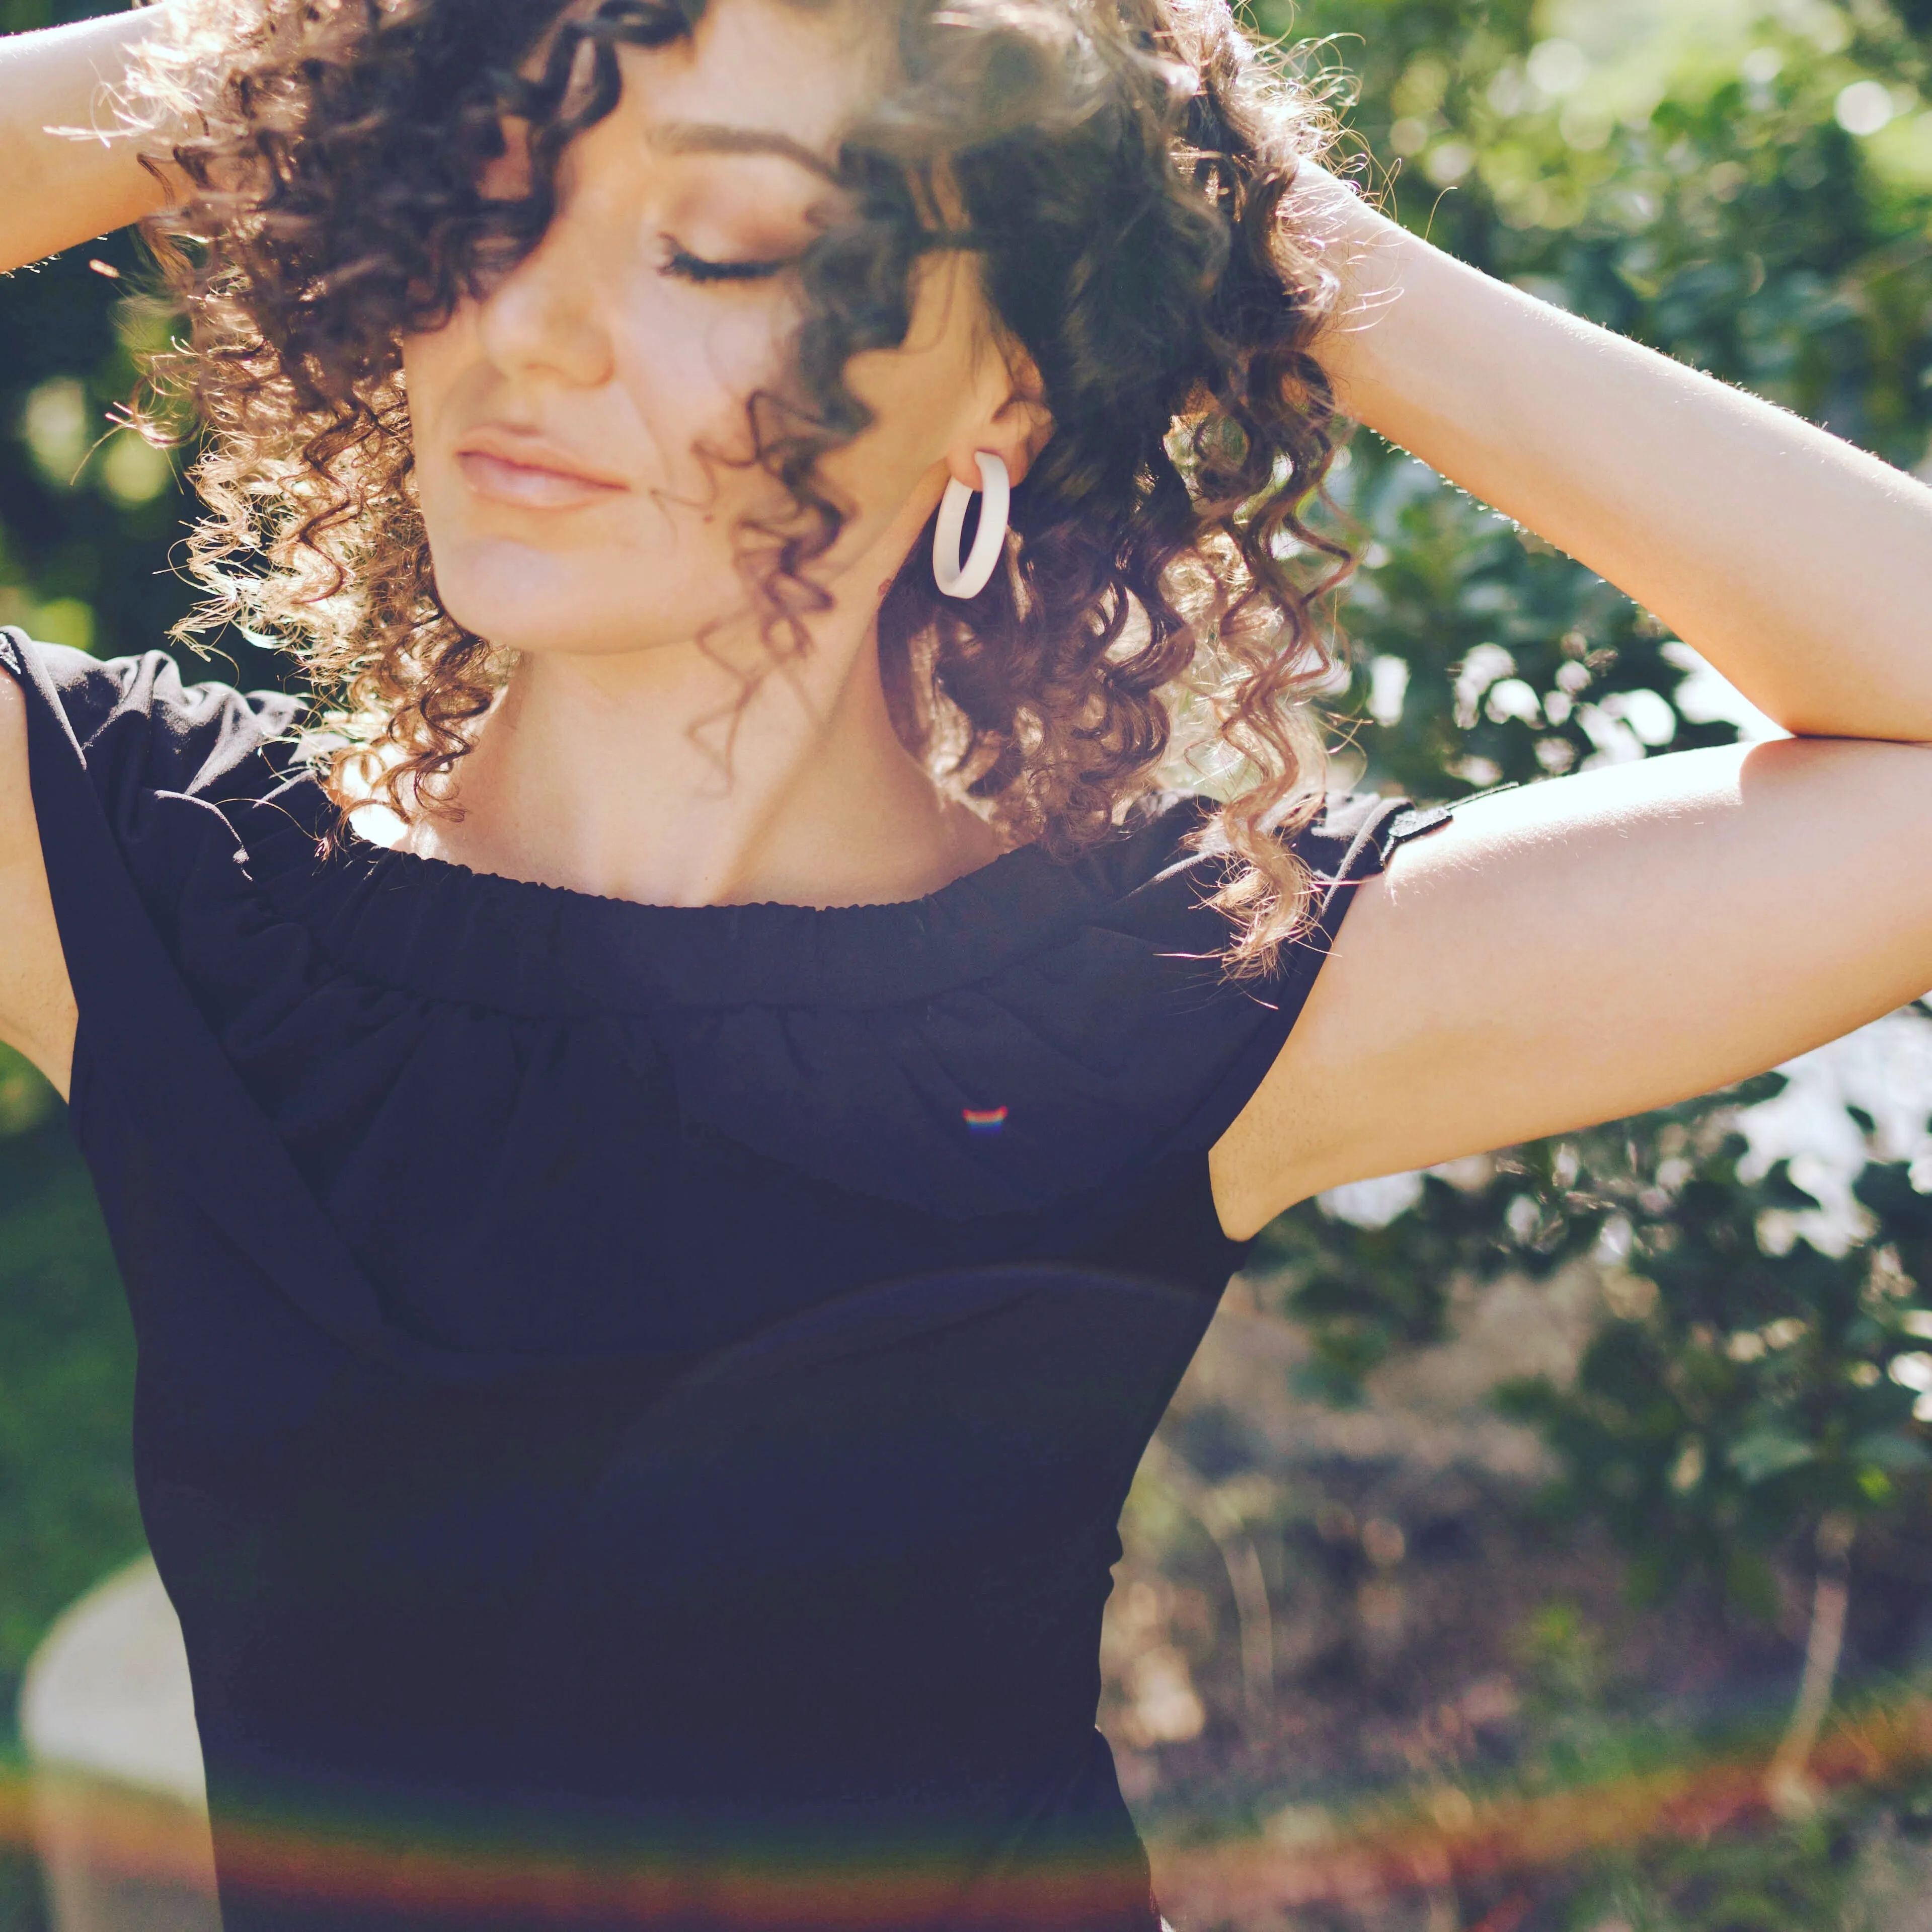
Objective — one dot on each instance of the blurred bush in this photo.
(88, 517)
(1602, 1461)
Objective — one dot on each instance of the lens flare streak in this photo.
(1390, 1846)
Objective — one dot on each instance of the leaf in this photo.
(1652, 1578)
(1766, 1453)
(1898, 1454)
(1750, 1583)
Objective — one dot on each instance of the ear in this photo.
(1016, 430)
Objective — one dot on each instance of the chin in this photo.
(529, 600)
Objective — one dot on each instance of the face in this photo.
(569, 426)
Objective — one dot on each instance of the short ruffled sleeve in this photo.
(1350, 839)
(140, 730)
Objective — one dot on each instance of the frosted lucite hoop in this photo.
(955, 579)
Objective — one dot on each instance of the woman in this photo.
(651, 1287)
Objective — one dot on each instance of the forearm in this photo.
(60, 189)
(1797, 565)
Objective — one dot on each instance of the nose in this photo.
(548, 317)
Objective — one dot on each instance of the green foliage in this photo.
(1733, 1396)
(1680, 176)
(67, 1512)
(87, 518)
(1367, 1292)
(1776, 1882)
(88, 513)
(1742, 1394)
(22, 1899)
(1746, 184)
(1687, 176)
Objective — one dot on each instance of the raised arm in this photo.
(38, 1015)
(1595, 946)
(62, 186)
(59, 184)
(1797, 565)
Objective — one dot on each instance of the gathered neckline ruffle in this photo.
(438, 927)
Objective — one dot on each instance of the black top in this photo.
(635, 1401)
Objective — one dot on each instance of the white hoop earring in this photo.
(955, 579)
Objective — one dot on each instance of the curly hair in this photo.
(1117, 169)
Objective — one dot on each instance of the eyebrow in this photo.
(711, 137)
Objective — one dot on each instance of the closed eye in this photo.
(689, 268)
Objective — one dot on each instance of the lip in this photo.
(520, 467)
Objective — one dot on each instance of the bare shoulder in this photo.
(37, 1007)
(1591, 947)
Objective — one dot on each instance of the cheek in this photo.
(684, 361)
(437, 370)
(690, 363)
(677, 388)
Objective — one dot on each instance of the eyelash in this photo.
(689, 268)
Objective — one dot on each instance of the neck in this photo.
(651, 775)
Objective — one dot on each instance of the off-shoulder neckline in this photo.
(355, 847)
(439, 927)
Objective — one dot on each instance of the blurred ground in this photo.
(1325, 1616)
